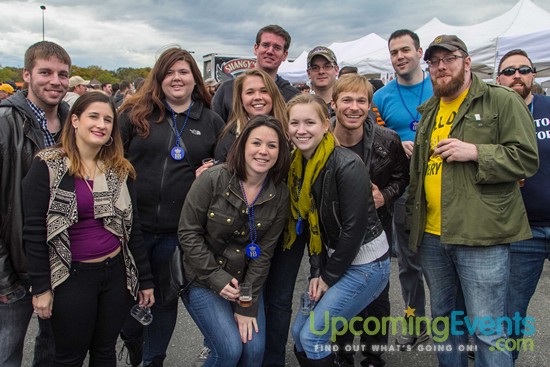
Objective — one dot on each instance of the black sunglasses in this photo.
(523, 70)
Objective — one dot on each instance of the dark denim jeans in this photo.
(526, 264)
(410, 271)
(472, 280)
(157, 335)
(14, 321)
(279, 290)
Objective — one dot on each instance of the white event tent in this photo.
(346, 54)
(525, 26)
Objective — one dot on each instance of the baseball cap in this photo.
(447, 42)
(77, 80)
(7, 88)
(321, 51)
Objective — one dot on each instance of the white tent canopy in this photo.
(347, 53)
(525, 26)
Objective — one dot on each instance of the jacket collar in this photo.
(268, 193)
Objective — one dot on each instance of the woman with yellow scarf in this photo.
(333, 210)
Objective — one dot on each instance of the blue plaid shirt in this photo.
(40, 115)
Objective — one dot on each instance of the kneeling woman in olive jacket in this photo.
(229, 226)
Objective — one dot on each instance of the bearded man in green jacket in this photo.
(474, 143)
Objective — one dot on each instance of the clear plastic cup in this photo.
(142, 314)
(306, 304)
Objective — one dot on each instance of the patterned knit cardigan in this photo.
(112, 203)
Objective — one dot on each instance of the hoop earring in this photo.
(110, 142)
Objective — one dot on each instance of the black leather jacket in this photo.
(389, 166)
(347, 213)
(20, 139)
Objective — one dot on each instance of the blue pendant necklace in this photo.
(414, 122)
(252, 249)
(177, 153)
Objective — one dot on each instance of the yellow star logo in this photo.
(409, 312)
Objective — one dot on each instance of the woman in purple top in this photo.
(82, 237)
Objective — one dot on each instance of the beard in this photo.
(452, 87)
(525, 89)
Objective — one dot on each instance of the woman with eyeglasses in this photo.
(167, 129)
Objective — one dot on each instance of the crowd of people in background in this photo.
(103, 184)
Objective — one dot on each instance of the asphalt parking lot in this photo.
(187, 340)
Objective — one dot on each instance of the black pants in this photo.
(279, 290)
(88, 311)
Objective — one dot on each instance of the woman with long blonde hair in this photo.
(254, 93)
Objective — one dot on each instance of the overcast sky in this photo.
(132, 33)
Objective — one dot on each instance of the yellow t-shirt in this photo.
(432, 180)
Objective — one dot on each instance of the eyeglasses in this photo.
(523, 70)
(434, 62)
(317, 68)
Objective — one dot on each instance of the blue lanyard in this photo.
(175, 125)
(419, 101)
(250, 212)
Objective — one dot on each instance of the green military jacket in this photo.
(481, 203)
(214, 232)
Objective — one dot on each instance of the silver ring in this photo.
(35, 311)
(146, 301)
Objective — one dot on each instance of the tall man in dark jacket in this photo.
(29, 121)
(475, 141)
(271, 49)
(381, 149)
(516, 70)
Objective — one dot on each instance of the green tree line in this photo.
(88, 73)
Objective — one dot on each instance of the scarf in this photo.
(301, 200)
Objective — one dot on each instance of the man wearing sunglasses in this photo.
(475, 141)
(516, 70)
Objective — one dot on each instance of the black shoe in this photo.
(412, 340)
(302, 358)
(157, 362)
(134, 348)
(345, 360)
(329, 361)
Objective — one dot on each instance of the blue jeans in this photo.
(157, 335)
(526, 264)
(14, 321)
(215, 319)
(279, 290)
(472, 280)
(358, 287)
